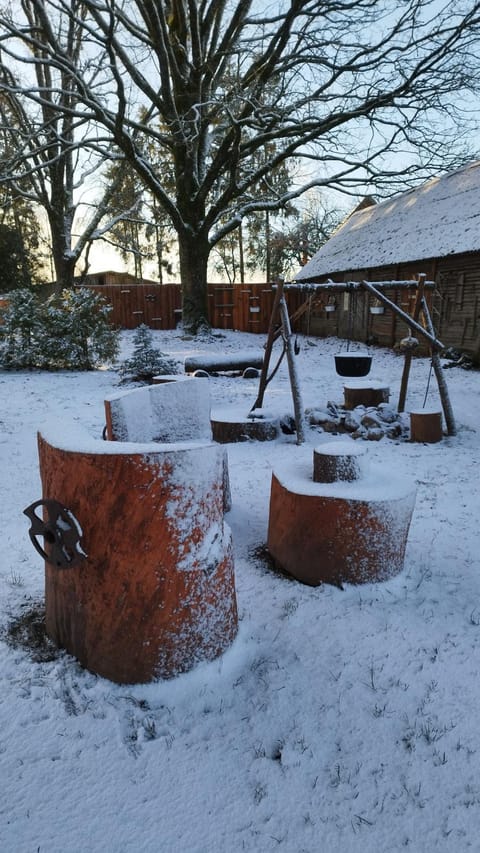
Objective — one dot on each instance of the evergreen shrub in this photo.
(146, 361)
(67, 332)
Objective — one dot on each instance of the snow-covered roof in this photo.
(442, 217)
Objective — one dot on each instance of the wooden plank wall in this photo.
(243, 307)
(353, 319)
(457, 303)
(247, 307)
(156, 305)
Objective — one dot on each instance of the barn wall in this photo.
(455, 304)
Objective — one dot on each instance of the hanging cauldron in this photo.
(353, 364)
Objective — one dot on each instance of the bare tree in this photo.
(45, 161)
(210, 83)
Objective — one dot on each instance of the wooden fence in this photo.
(242, 307)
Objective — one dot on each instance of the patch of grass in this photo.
(261, 555)
(27, 632)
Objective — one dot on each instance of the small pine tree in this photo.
(146, 361)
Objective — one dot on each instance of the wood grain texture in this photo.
(156, 593)
(426, 426)
(319, 539)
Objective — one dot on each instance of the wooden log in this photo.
(440, 377)
(164, 414)
(223, 363)
(245, 429)
(337, 461)
(409, 353)
(370, 394)
(293, 373)
(426, 426)
(271, 334)
(341, 532)
(170, 412)
(155, 594)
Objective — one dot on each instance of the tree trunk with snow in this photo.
(194, 251)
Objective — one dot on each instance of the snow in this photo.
(165, 412)
(375, 483)
(439, 218)
(339, 720)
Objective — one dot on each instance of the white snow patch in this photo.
(339, 720)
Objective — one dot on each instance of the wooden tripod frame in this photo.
(419, 322)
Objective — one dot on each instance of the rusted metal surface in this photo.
(156, 593)
(341, 532)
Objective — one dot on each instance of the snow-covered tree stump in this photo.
(337, 461)
(365, 394)
(155, 593)
(340, 532)
(426, 426)
(232, 428)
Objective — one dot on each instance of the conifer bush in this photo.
(67, 332)
(146, 361)
(20, 329)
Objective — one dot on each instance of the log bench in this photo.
(226, 363)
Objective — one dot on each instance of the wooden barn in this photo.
(108, 278)
(434, 230)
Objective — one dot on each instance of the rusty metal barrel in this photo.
(151, 590)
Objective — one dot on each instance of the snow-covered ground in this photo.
(339, 720)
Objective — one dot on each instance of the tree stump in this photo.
(344, 532)
(175, 411)
(337, 461)
(367, 394)
(244, 429)
(155, 593)
(426, 426)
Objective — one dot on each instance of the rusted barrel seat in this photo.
(348, 531)
(167, 412)
(155, 592)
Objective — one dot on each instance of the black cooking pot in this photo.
(353, 364)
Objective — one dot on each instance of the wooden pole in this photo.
(271, 336)
(408, 355)
(440, 376)
(292, 370)
(433, 341)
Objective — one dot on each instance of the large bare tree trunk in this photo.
(194, 251)
(64, 266)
